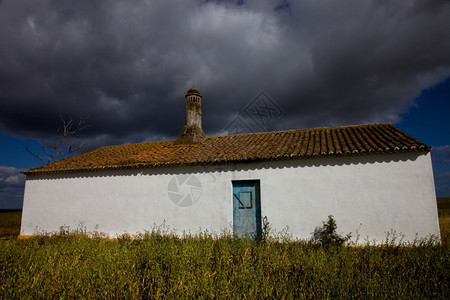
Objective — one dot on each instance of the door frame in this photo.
(257, 185)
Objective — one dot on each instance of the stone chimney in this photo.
(192, 132)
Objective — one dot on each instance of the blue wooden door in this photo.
(246, 208)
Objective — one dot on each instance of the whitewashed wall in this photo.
(369, 195)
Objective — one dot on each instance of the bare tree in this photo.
(59, 150)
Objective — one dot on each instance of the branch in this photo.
(51, 157)
(68, 128)
(41, 158)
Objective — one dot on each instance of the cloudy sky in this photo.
(126, 65)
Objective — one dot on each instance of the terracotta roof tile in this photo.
(289, 144)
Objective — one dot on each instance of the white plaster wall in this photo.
(368, 195)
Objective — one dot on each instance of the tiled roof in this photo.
(289, 144)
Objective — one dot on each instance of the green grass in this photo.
(443, 204)
(444, 219)
(10, 224)
(156, 266)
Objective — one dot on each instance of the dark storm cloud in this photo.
(11, 187)
(441, 164)
(128, 64)
(442, 184)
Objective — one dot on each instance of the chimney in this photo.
(192, 132)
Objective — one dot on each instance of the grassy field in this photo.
(158, 266)
(10, 224)
(444, 219)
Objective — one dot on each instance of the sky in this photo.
(125, 66)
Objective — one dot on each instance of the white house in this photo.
(373, 179)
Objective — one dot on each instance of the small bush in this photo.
(327, 235)
(265, 230)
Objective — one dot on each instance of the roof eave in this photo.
(35, 171)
